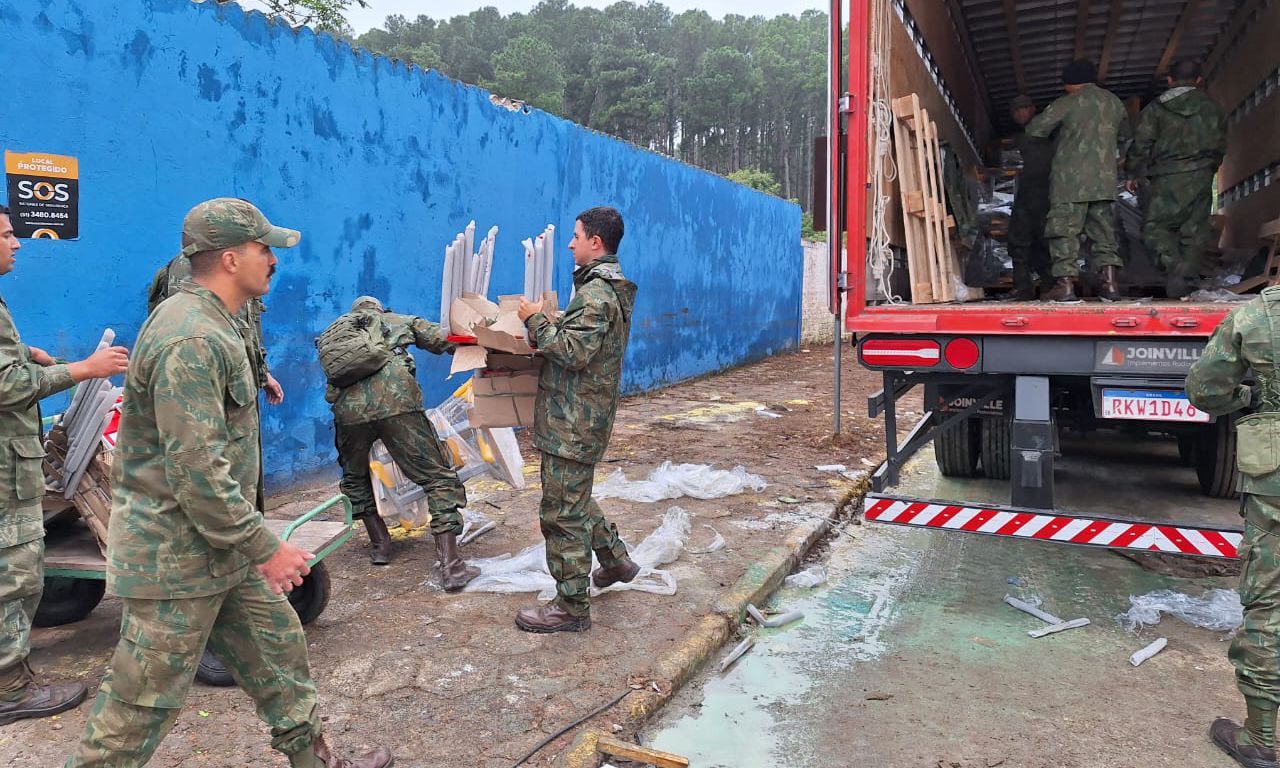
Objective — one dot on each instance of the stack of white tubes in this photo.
(466, 270)
(539, 262)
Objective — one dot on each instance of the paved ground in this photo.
(448, 680)
(908, 658)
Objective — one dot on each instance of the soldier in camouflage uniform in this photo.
(582, 354)
(28, 374)
(1027, 245)
(387, 406)
(187, 551)
(1086, 124)
(1180, 141)
(169, 279)
(1249, 340)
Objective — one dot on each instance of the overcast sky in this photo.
(363, 19)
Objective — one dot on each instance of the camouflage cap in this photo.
(1021, 101)
(226, 222)
(366, 302)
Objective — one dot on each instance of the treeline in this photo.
(725, 95)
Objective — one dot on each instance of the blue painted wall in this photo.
(167, 103)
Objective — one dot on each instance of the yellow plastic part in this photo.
(486, 453)
(380, 472)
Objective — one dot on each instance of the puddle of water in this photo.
(749, 717)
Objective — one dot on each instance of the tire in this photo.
(1215, 457)
(67, 599)
(995, 447)
(956, 448)
(308, 601)
(310, 598)
(211, 671)
(1187, 450)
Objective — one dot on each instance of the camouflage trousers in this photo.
(21, 583)
(1027, 244)
(574, 527)
(1176, 230)
(417, 451)
(1255, 651)
(253, 631)
(1067, 221)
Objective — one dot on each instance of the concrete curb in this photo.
(708, 635)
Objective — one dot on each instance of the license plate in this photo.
(1150, 405)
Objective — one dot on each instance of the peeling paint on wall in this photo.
(166, 103)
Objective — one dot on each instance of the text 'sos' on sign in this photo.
(44, 195)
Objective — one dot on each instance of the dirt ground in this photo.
(448, 679)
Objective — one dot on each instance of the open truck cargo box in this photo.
(1002, 378)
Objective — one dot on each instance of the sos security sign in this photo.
(44, 195)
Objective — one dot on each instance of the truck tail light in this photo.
(901, 353)
(961, 354)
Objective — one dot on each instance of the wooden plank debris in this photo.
(607, 745)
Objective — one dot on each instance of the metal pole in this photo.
(834, 265)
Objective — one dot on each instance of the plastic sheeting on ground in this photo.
(526, 570)
(1217, 609)
(671, 481)
(809, 577)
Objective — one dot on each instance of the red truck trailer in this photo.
(1002, 380)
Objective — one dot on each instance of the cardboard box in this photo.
(505, 391)
(498, 331)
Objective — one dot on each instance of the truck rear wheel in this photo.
(956, 448)
(67, 599)
(1215, 458)
(995, 447)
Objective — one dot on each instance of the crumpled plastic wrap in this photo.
(809, 577)
(671, 481)
(987, 262)
(1217, 296)
(1217, 609)
(526, 570)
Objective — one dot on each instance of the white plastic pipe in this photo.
(1026, 607)
(1143, 654)
(736, 653)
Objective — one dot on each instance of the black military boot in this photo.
(551, 617)
(454, 571)
(379, 538)
(37, 700)
(623, 570)
(320, 756)
(1226, 735)
(1063, 290)
(1110, 288)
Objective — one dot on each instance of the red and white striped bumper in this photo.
(1050, 526)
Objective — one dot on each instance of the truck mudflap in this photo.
(1053, 526)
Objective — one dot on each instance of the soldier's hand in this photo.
(101, 364)
(39, 356)
(275, 392)
(285, 569)
(528, 309)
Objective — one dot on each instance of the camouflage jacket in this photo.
(169, 278)
(1182, 130)
(582, 366)
(183, 521)
(394, 389)
(22, 385)
(1087, 127)
(1247, 339)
